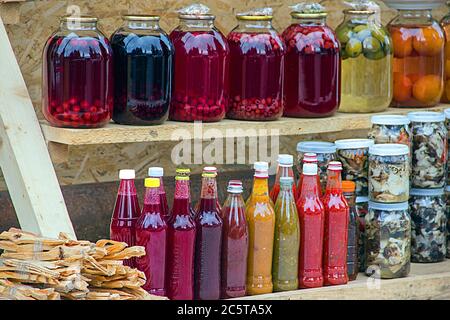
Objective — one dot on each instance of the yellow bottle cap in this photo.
(183, 171)
(152, 183)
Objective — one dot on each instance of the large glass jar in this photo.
(256, 69)
(445, 23)
(447, 200)
(77, 86)
(447, 124)
(200, 91)
(366, 50)
(313, 66)
(418, 59)
(143, 68)
(362, 207)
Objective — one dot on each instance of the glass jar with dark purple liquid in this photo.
(201, 85)
(143, 71)
(313, 67)
(256, 70)
(77, 86)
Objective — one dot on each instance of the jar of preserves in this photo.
(391, 129)
(388, 240)
(447, 124)
(418, 58)
(354, 155)
(366, 49)
(429, 225)
(362, 208)
(313, 64)
(256, 68)
(325, 151)
(445, 23)
(77, 85)
(143, 69)
(429, 160)
(447, 199)
(389, 173)
(201, 86)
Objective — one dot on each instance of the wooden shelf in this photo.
(426, 281)
(114, 133)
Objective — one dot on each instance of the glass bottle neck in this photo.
(127, 187)
(78, 25)
(145, 25)
(182, 198)
(285, 171)
(415, 16)
(254, 24)
(152, 196)
(310, 21)
(334, 183)
(261, 187)
(209, 188)
(310, 186)
(286, 191)
(359, 18)
(182, 189)
(197, 23)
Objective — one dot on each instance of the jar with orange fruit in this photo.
(418, 58)
(445, 23)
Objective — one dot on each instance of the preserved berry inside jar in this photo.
(313, 67)
(366, 50)
(143, 68)
(256, 69)
(201, 84)
(77, 88)
(418, 59)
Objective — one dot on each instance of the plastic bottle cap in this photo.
(335, 166)
(316, 147)
(403, 206)
(127, 174)
(286, 181)
(310, 169)
(426, 116)
(427, 192)
(183, 171)
(310, 158)
(235, 183)
(353, 143)
(152, 183)
(447, 113)
(286, 160)
(157, 172)
(393, 149)
(393, 120)
(348, 186)
(261, 166)
(210, 169)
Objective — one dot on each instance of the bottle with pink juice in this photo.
(126, 212)
(157, 172)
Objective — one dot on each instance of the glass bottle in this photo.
(143, 71)
(187, 173)
(348, 189)
(151, 233)
(180, 244)
(256, 69)
(261, 223)
(201, 85)
(312, 218)
(366, 49)
(313, 66)
(77, 85)
(157, 172)
(418, 59)
(234, 244)
(209, 228)
(126, 212)
(287, 239)
(285, 169)
(336, 228)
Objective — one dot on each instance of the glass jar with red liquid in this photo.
(77, 86)
(143, 71)
(313, 65)
(419, 43)
(256, 68)
(200, 91)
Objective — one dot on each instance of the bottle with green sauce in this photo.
(287, 239)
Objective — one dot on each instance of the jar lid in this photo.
(403, 206)
(392, 149)
(316, 147)
(196, 11)
(364, 12)
(308, 10)
(140, 17)
(394, 120)
(426, 116)
(156, 172)
(85, 19)
(362, 199)
(427, 192)
(127, 174)
(354, 143)
(447, 113)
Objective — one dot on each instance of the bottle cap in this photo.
(391, 120)
(354, 143)
(335, 166)
(286, 181)
(310, 169)
(426, 116)
(235, 183)
(261, 169)
(286, 160)
(127, 174)
(152, 183)
(427, 192)
(234, 187)
(156, 172)
(348, 186)
(210, 169)
(316, 147)
(183, 171)
(391, 149)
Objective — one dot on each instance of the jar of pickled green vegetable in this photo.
(367, 60)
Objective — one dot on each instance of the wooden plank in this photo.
(426, 281)
(24, 158)
(114, 133)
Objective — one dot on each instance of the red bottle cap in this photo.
(335, 166)
(310, 158)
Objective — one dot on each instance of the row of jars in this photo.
(253, 74)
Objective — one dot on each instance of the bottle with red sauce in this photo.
(311, 215)
(336, 228)
(310, 158)
(157, 172)
(200, 91)
(126, 212)
(313, 64)
(212, 170)
(234, 244)
(209, 228)
(285, 169)
(180, 243)
(256, 68)
(151, 233)
(77, 86)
